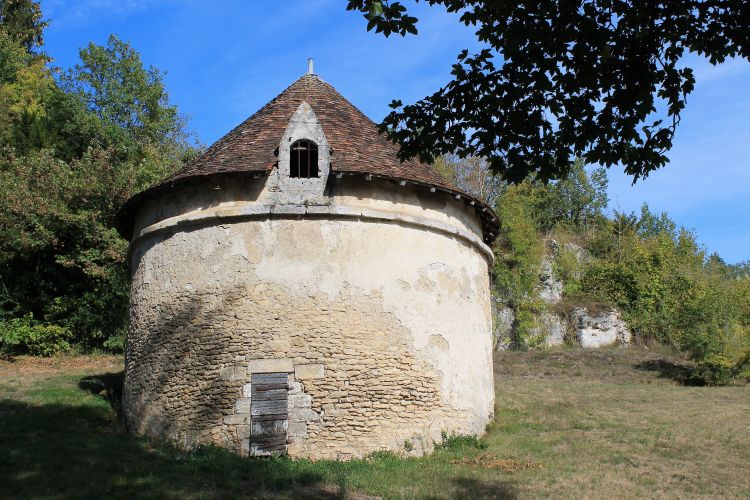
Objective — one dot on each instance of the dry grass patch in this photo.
(20, 372)
(601, 423)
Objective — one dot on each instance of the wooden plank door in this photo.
(268, 413)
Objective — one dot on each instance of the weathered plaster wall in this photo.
(235, 194)
(383, 327)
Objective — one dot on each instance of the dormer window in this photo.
(303, 159)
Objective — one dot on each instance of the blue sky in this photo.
(225, 59)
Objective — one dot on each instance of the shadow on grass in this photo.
(79, 452)
(82, 451)
(678, 372)
(107, 386)
(475, 488)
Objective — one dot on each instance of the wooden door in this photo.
(268, 413)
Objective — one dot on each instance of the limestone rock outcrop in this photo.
(553, 326)
(600, 330)
(504, 322)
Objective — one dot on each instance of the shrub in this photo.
(115, 343)
(26, 336)
(527, 329)
(568, 269)
(459, 442)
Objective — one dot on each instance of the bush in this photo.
(568, 269)
(115, 343)
(26, 336)
(527, 329)
(669, 291)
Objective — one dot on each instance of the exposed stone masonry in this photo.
(193, 352)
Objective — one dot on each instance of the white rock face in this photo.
(578, 251)
(554, 326)
(552, 288)
(605, 329)
(588, 330)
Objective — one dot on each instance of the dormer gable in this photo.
(304, 157)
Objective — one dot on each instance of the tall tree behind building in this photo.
(73, 150)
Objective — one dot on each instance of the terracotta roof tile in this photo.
(356, 143)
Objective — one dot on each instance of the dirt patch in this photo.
(490, 461)
(24, 370)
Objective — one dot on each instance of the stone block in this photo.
(242, 406)
(300, 401)
(288, 209)
(270, 365)
(247, 390)
(232, 373)
(243, 432)
(245, 446)
(335, 412)
(297, 430)
(311, 371)
(303, 415)
(235, 419)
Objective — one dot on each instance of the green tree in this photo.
(651, 224)
(131, 106)
(671, 292)
(578, 201)
(22, 21)
(60, 259)
(518, 255)
(12, 58)
(72, 152)
(563, 79)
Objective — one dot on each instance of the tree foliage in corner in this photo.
(22, 21)
(73, 148)
(602, 80)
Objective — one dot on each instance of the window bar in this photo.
(307, 150)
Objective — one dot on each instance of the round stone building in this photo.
(298, 289)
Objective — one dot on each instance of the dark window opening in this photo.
(303, 159)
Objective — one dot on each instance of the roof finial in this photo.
(310, 70)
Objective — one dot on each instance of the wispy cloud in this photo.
(705, 72)
(67, 14)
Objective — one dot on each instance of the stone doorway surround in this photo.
(299, 409)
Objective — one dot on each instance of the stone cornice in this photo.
(259, 212)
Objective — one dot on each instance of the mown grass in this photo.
(572, 423)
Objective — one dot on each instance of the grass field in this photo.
(569, 423)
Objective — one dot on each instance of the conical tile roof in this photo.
(357, 147)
